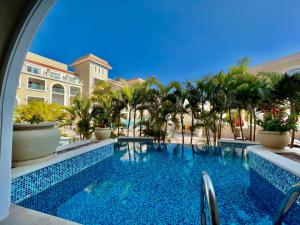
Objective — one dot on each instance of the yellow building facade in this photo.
(47, 80)
(288, 64)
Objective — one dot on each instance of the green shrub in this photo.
(278, 120)
(38, 112)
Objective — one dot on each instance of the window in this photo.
(35, 99)
(75, 91)
(36, 84)
(58, 92)
(58, 89)
(31, 69)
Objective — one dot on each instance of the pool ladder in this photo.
(208, 194)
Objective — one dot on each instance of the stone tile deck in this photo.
(22, 216)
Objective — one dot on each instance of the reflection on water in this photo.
(141, 152)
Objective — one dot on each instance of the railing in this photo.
(287, 203)
(208, 193)
(57, 76)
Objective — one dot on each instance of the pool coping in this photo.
(72, 145)
(232, 141)
(272, 156)
(20, 171)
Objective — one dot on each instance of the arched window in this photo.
(58, 94)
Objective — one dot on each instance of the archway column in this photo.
(14, 55)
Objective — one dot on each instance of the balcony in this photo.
(45, 72)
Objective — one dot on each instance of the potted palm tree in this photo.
(35, 137)
(102, 122)
(276, 125)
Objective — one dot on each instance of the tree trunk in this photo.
(182, 128)
(166, 125)
(254, 124)
(208, 136)
(128, 125)
(293, 132)
(134, 117)
(141, 120)
(220, 126)
(215, 133)
(241, 127)
(192, 130)
(292, 139)
(231, 124)
(250, 125)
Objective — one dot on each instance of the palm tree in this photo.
(154, 121)
(287, 91)
(128, 95)
(193, 96)
(80, 109)
(238, 73)
(137, 102)
(179, 100)
(102, 95)
(118, 103)
(215, 97)
(203, 99)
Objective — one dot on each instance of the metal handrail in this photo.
(289, 200)
(208, 193)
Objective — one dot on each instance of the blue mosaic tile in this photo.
(234, 144)
(152, 184)
(271, 183)
(32, 183)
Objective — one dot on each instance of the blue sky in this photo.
(171, 39)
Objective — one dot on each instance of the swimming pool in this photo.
(144, 183)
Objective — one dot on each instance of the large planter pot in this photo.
(102, 133)
(34, 143)
(273, 139)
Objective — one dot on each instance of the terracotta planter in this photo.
(273, 139)
(34, 143)
(102, 133)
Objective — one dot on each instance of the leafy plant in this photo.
(278, 120)
(38, 112)
(80, 111)
(100, 116)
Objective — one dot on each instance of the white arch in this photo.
(20, 37)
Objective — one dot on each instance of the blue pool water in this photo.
(155, 184)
